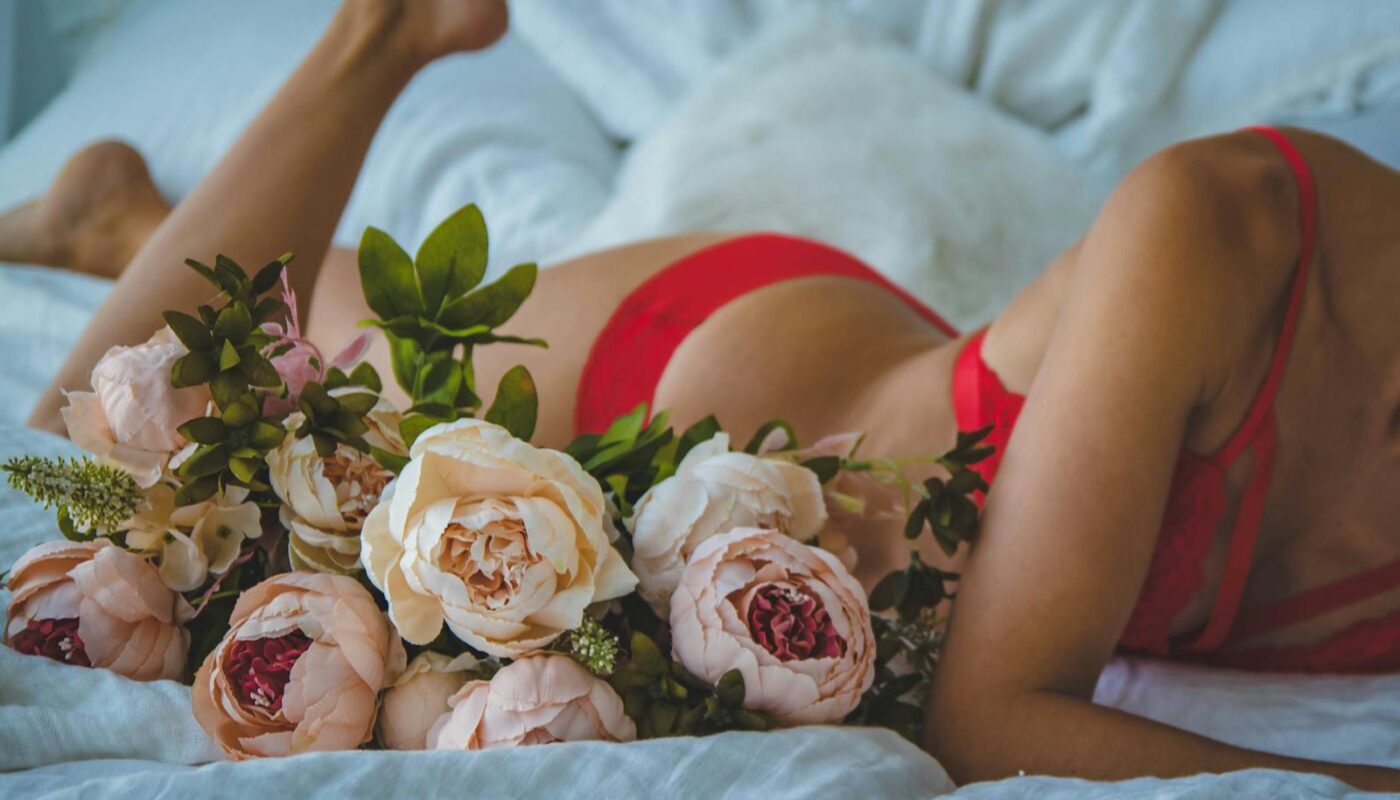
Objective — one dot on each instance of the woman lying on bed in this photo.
(1204, 391)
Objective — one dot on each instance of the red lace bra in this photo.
(1195, 508)
(631, 352)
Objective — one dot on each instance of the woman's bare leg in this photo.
(284, 183)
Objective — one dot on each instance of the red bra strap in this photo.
(1258, 429)
(1318, 601)
(1307, 201)
(1243, 536)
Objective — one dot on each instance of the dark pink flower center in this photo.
(792, 624)
(53, 638)
(260, 668)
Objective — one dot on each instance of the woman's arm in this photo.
(1175, 286)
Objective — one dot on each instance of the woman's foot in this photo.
(420, 31)
(96, 215)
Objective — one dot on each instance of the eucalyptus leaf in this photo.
(204, 430)
(492, 305)
(387, 277)
(197, 491)
(191, 369)
(452, 259)
(206, 460)
(517, 404)
(234, 322)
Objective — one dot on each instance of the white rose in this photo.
(325, 500)
(715, 491)
(505, 542)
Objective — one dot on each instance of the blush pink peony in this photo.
(538, 699)
(129, 419)
(420, 697)
(300, 669)
(95, 604)
(788, 616)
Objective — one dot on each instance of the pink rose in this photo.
(788, 616)
(541, 698)
(129, 418)
(420, 697)
(96, 605)
(299, 670)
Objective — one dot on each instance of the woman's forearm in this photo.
(1056, 734)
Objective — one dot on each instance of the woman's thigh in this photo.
(571, 303)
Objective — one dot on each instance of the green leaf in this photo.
(245, 469)
(439, 377)
(889, 592)
(404, 356)
(234, 322)
(228, 265)
(412, 425)
(646, 655)
(914, 525)
(267, 277)
(228, 356)
(325, 444)
(702, 431)
(315, 401)
(390, 461)
(259, 371)
(207, 460)
(242, 411)
(204, 430)
(387, 277)
(192, 369)
(358, 403)
(267, 436)
(762, 433)
(197, 491)
(268, 308)
(516, 405)
(452, 259)
(365, 375)
(203, 270)
(227, 388)
(730, 689)
(493, 304)
(825, 467)
(625, 428)
(190, 331)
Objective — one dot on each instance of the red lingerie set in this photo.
(653, 320)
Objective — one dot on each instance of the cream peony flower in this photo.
(325, 500)
(130, 417)
(95, 604)
(420, 697)
(189, 542)
(299, 670)
(505, 542)
(714, 491)
(539, 699)
(788, 616)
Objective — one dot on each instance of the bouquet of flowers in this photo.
(330, 571)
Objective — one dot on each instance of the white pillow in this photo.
(821, 130)
(180, 80)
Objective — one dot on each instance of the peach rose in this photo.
(788, 616)
(714, 491)
(299, 670)
(130, 417)
(325, 500)
(539, 699)
(96, 605)
(505, 542)
(189, 542)
(420, 697)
